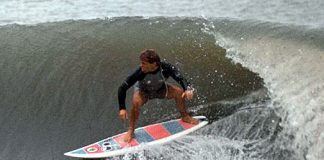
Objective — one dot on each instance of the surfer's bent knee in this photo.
(175, 91)
(138, 100)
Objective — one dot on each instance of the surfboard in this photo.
(155, 134)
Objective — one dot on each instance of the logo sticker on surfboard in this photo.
(92, 149)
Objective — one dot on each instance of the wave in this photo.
(60, 81)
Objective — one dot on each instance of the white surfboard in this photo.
(144, 137)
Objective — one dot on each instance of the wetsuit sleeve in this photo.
(171, 70)
(129, 82)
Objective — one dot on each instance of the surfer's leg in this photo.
(138, 101)
(175, 92)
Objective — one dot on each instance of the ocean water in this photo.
(256, 67)
(300, 12)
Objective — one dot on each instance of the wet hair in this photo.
(149, 55)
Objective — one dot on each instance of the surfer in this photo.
(150, 82)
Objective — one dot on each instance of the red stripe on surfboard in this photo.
(157, 131)
(120, 140)
(185, 125)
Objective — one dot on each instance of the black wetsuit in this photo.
(152, 84)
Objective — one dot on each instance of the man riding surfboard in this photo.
(150, 82)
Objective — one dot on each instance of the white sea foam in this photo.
(293, 73)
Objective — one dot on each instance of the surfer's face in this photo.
(148, 67)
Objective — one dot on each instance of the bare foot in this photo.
(128, 137)
(189, 119)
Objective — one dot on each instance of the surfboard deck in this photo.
(154, 134)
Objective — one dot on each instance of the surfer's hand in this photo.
(188, 94)
(123, 114)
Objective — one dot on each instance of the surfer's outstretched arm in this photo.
(129, 82)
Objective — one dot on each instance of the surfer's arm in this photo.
(129, 82)
(171, 70)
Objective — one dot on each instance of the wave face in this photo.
(260, 84)
(59, 80)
